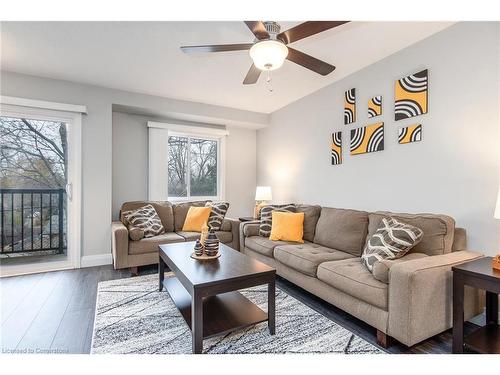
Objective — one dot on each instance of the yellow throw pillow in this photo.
(196, 218)
(287, 226)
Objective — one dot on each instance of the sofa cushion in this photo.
(223, 236)
(311, 216)
(146, 219)
(263, 245)
(381, 268)
(287, 226)
(135, 233)
(351, 276)
(392, 240)
(189, 236)
(196, 219)
(266, 217)
(150, 245)
(341, 229)
(180, 211)
(438, 230)
(305, 258)
(163, 209)
(219, 210)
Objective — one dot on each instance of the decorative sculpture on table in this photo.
(198, 248)
(212, 244)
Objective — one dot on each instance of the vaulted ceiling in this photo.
(145, 57)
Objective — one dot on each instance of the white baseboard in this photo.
(96, 260)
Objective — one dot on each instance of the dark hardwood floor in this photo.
(53, 312)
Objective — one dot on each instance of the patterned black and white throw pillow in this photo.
(219, 210)
(391, 240)
(145, 218)
(266, 217)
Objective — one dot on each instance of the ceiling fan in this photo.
(270, 47)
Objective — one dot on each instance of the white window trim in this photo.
(158, 158)
(72, 114)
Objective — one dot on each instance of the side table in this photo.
(479, 274)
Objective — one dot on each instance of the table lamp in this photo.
(262, 195)
(496, 259)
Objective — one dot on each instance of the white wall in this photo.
(130, 163)
(97, 140)
(454, 170)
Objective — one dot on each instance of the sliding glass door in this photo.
(38, 164)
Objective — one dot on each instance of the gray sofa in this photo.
(409, 299)
(131, 254)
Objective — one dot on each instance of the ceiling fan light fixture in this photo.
(268, 54)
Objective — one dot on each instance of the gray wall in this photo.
(130, 163)
(454, 170)
(97, 191)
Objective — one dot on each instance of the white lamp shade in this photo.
(268, 54)
(497, 208)
(263, 193)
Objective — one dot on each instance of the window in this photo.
(192, 167)
(186, 162)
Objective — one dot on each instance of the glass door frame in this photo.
(72, 116)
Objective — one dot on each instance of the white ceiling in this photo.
(145, 57)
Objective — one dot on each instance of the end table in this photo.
(479, 274)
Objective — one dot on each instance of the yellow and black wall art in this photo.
(375, 106)
(411, 96)
(368, 138)
(337, 148)
(410, 134)
(349, 106)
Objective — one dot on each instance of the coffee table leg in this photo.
(161, 273)
(197, 322)
(491, 308)
(271, 307)
(458, 314)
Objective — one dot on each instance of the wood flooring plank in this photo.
(16, 325)
(44, 327)
(71, 336)
(13, 290)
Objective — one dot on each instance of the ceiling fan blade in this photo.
(217, 48)
(258, 29)
(252, 75)
(307, 29)
(309, 62)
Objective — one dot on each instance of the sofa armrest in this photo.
(248, 229)
(119, 244)
(234, 226)
(421, 299)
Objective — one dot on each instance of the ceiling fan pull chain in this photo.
(269, 81)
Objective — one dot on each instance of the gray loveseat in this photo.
(131, 254)
(410, 299)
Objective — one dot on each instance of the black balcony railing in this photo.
(32, 220)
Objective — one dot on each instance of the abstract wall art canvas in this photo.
(411, 95)
(336, 148)
(368, 138)
(349, 106)
(410, 134)
(375, 106)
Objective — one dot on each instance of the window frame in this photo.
(158, 159)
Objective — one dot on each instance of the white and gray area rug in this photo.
(133, 317)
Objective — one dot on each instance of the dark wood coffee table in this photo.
(479, 274)
(206, 292)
